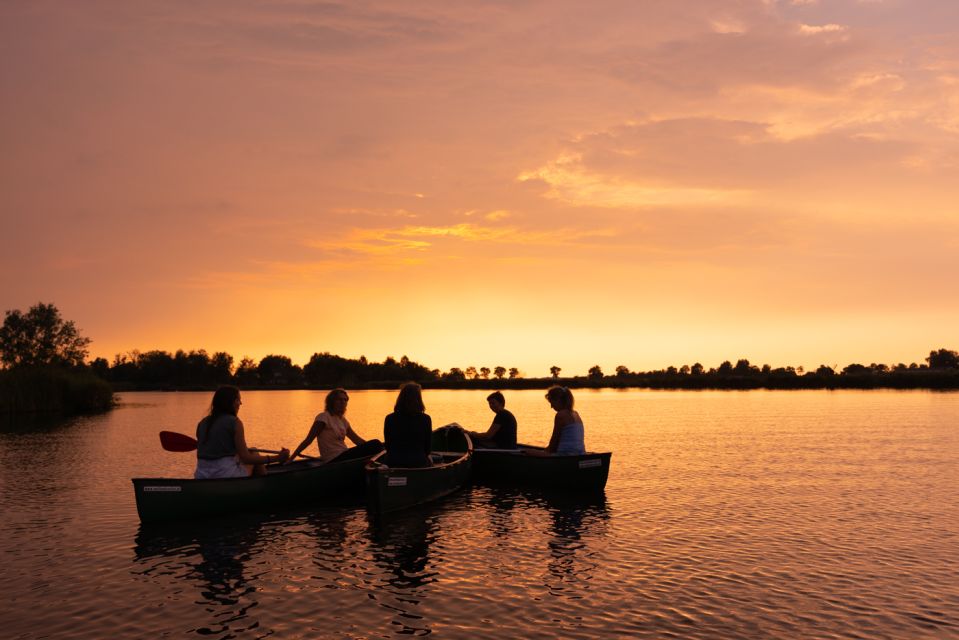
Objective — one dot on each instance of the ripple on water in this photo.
(726, 515)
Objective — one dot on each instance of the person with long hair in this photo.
(221, 450)
(567, 438)
(408, 430)
(331, 429)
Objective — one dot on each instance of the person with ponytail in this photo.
(568, 434)
(221, 450)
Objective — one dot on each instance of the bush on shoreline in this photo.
(53, 390)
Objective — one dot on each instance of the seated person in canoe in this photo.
(408, 430)
(330, 429)
(567, 438)
(221, 450)
(502, 433)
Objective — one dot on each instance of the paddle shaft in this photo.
(180, 443)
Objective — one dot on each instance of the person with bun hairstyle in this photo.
(568, 434)
(221, 450)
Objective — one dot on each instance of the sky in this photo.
(522, 184)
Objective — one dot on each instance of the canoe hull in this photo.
(394, 488)
(166, 499)
(585, 473)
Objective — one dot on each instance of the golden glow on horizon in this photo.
(488, 185)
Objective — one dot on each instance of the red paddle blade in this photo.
(172, 441)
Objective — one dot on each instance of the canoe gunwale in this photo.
(420, 484)
(168, 499)
(575, 473)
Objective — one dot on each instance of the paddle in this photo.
(173, 441)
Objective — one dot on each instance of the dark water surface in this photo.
(727, 514)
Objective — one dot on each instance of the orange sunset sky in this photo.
(530, 183)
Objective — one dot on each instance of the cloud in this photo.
(808, 29)
(570, 181)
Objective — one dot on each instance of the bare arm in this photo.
(554, 438)
(248, 457)
(310, 437)
(352, 434)
(489, 433)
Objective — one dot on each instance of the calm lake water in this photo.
(727, 514)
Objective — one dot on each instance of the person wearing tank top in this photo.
(330, 429)
(221, 450)
(568, 437)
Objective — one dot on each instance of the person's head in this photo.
(559, 398)
(410, 399)
(496, 401)
(336, 401)
(226, 400)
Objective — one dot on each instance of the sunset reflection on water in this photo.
(727, 514)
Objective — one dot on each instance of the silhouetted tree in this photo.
(513, 373)
(327, 370)
(825, 370)
(743, 368)
(455, 374)
(943, 359)
(684, 370)
(278, 370)
(595, 373)
(41, 337)
(471, 373)
(155, 367)
(484, 373)
(725, 368)
(222, 365)
(697, 369)
(101, 368)
(622, 371)
(854, 369)
(499, 372)
(554, 371)
(246, 372)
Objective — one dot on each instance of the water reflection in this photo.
(575, 521)
(213, 555)
(574, 524)
(400, 545)
(35, 423)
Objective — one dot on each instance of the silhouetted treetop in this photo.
(41, 337)
(943, 359)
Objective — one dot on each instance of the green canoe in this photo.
(163, 499)
(393, 488)
(568, 473)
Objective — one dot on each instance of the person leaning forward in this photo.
(502, 432)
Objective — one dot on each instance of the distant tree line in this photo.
(940, 371)
(200, 370)
(41, 341)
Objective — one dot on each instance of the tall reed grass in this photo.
(53, 390)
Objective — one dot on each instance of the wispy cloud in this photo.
(570, 181)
